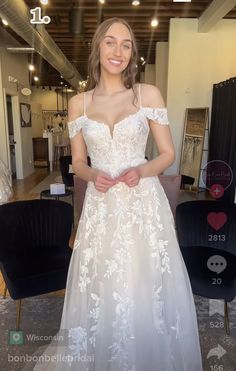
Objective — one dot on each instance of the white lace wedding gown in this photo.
(5, 183)
(128, 303)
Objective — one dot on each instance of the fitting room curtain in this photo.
(222, 141)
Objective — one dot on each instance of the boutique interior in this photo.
(188, 50)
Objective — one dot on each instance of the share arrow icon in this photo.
(217, 351)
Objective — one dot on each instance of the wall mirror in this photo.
(195, 128)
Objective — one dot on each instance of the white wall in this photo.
(150, 74)
(157, 76)
(142, 77)
(48, 98)
(3, 133)
(149, 77)
(196, 62)
(162, 49)
(37, 120)
(16, 66)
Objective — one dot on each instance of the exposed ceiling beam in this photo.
(215, 12)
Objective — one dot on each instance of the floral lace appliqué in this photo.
(122, 331)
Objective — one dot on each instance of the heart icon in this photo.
(217, 220)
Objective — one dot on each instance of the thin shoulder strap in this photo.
(139, 95)
(84, 103)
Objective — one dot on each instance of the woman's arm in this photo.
(78, 146)
(151, 97)
(101, 180)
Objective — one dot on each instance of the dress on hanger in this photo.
(128, 303)
(5, 183)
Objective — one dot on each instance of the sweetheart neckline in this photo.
(117, 123)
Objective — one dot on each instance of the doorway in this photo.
(13, 134)
(11, 137)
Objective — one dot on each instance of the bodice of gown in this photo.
(125, 147)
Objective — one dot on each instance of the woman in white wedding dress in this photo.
(128, 303)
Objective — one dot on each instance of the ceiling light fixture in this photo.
(4, 21)
(102, 1)
(154, 22)
(135, 2)
(44, 2)
(31, 67)
(36, 78)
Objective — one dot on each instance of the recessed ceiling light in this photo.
(61, 82)
(101, 1)
(154, 22)
(44, 2)
(182, 1)
(4, 21)
(142, 59)
(135, 2)
(36, 78)
(31, 67)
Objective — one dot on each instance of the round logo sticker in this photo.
(217, 175)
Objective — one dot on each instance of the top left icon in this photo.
(37, 16)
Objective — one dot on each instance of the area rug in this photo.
(41, 318)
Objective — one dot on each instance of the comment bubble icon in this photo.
(216, 263)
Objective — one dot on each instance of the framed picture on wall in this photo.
(25, 115)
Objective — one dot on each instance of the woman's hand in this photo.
(130, 177)
(103, 181)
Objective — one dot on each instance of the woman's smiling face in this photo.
(115, 49)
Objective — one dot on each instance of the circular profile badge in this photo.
(217, 175)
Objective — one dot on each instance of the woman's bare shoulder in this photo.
(151, 96)
(75, 106)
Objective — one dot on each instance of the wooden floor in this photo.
(22, 188)
(22, 191)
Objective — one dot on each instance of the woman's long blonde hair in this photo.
(94, 71)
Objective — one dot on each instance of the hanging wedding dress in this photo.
(5, 183)
(128, 303)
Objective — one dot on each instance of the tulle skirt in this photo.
(128, 303)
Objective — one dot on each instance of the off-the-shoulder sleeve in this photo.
(75, 126)
(158, 115)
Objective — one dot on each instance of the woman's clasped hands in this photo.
(104, 181)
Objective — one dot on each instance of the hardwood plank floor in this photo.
(22, 188)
